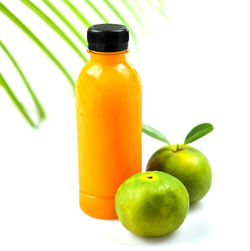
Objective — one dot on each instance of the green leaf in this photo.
(41, 112)
(198, 132)
(97, 11)
(37, 41)
(75, 10)
(54, 27)
(61, 16)
(158, 6)
(16, 102)
(142, 16)
(150, 131)
(129, 6)
(122, 19)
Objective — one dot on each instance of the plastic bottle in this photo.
(109, 124)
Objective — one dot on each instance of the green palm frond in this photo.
(120, 17)
(134, 7)
(141, 14)
(61, 16)
(54, 27)
(37, 41)
(97, 11)
(158, 5)
(130, 7)
(79, 15)
(16, 102)
(39, 108)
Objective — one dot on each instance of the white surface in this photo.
(194, 69)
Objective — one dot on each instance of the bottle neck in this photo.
(108, 57)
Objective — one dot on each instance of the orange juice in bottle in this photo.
(109, 120)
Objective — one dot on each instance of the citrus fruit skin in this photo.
(152, 204)
(188, 165)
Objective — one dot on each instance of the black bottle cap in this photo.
(108, 37)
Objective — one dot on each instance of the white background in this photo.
(194, 68)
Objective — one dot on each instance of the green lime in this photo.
(188, 165)
(152, 204)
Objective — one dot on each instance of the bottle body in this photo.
(109, 125)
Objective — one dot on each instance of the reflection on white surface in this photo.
(195, 228)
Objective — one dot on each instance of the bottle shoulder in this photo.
(122, 70)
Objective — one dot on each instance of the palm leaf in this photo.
(158, 6)
(138, 6)
(15, 100)
(41, 112)
(138, 10)
(97, 11)
(79, 15)
(54, 27)
(133, 12)
(120, 17)
(37, 41)
(134, 7)
(61, 16)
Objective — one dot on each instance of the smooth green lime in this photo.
(188, 165)
(152, 204)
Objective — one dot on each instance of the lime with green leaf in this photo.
(183, 161)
